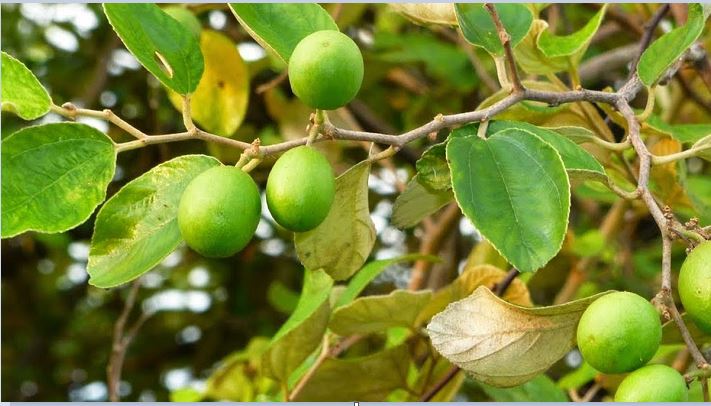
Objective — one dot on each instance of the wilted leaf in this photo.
(427, 13)
(370, 271)
(417, 202)
(220, 100)
(472, 277)
(22, 93)
(138, 227)
(478, 28)
(578, 162)
(665, 50)
(539, 389)
(281, 26)
(341, 244)
(238, 379)
(372, 314)
(367, 379)
(53, 176)
(303, 331)
(666, 178)
(164, 46)
(502, 344)
(514, 188)
(704, 145)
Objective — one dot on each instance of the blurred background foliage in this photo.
(57, 330)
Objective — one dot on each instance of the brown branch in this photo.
(120, 342)
(432, 392)
(431, 243)
(502, 286)
(505, 39)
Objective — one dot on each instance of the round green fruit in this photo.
(619, 332)
(695, 286)
(219, 211)
(300, 189)
(326, 70)
(653, 383)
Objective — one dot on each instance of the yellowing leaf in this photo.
(502, 344)
(427, 13)
(220, 100)
(472, 277)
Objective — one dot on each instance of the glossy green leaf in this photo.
(684, 133)
(22, 93)
(417, 202)
(371, 314)
(279, 27)
(478, 28)
(303, 331)
(185, 17)
(665, 50)
(54, 176)
(341, 244)
(514, 188)
(578, 135)
(164, 46)
(220, 100)
(370, 271)
(432, 168)
(367, 379)
(578, 162)
(502, 344)
(538, 389)
(138, 227)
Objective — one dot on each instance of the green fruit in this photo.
(619, 332)
(326, 70)
(300, 189)
(653, 383)
(695, 286)
(219, 211)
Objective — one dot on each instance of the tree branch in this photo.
(648, 34)
(505, 39)
(121, 342)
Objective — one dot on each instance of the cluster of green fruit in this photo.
(220, 209)
(621, 332)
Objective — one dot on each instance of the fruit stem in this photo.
(251, 165)
(317, 119)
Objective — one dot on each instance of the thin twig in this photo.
(505, 39)
(502, 286)
(648, 34)
(431, 243)
(120, 344)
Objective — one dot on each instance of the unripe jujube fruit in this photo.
(695, 286)
(300, 189)
(219, 211)
(653, 383)
(619, 332)
(326, 70)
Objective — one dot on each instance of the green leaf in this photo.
(542, 52)
(22, 93)
(341, 244)
(577, 378)
(684, 133)
(371, 270)
(432, 168)
(54, 176)
(220, 100)
(502, 344)
(303, 331)
(539, 389)
(704, 146)
(164, 46)
(671, 334)
(578, 162)
(514, 188)
(279, 27)
(187, 394)
(478, 28)
(664, 51)
(138, 227)
(371, 314)
(578, 135)
(574, 45)
(185, 17)
(239, 377)
(367, 379)
(417, 202)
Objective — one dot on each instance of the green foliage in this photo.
(502, 344)
(538, 389)
(417, 202)
(499, 200)
(67, 164)
(22, 93)
(279, 27)
(303, 331)
(340, 245)
(664, 51)
(164, 46)
(479, 29)
(138, 227)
